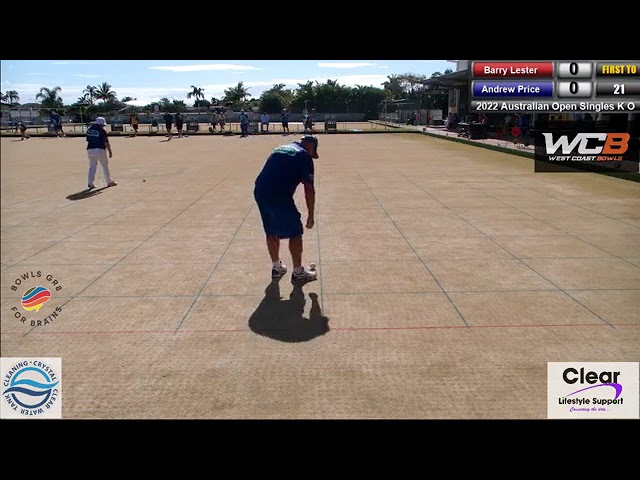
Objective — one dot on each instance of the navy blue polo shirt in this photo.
(287, 167)
(96, 137)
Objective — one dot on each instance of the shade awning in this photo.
(451, 80)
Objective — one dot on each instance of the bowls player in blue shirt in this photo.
(286, 167)
(97, 147)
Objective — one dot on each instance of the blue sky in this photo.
(150, 80)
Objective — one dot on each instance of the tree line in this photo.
(329, 97)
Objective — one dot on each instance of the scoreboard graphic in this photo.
(558, 86)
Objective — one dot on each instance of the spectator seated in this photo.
(117, 127)
(330, 126)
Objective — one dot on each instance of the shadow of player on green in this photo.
(284, 320)
(86, 193)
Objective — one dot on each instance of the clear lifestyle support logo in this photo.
(31, 387)
(593, 390)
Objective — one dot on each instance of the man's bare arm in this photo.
(108, 145)
(310, 198)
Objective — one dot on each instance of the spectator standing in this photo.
(244, 123)
(264, 122)
(179, 121)
(56, 122)
(168, 123)
(214, 122)
(133, 120)
(22, 128)
(284, 118)
(508, 124)
(308, 121)
(523, 123)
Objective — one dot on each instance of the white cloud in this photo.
(346, 64)
(82, 75)
(205, 67)
(145, 95)
(74, 63)
(26, 88)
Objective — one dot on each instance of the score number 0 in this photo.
(575, 71)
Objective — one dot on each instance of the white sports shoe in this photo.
(278, 272)
(304, 276)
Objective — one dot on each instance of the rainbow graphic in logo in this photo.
(34, 298)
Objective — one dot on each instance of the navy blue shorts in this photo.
(280, 219)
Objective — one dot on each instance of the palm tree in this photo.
(237, 95)
(104, 93)
(50, 98)
(393, 87)
(12, 97)
(305, 90)
(90, 93)
(196, 92)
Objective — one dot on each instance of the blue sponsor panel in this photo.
(512, 89)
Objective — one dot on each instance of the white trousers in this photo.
(98, 155)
